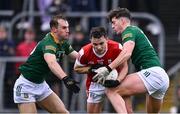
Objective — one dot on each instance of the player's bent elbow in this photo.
(79, 70)
(76, 70)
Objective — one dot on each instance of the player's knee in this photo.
(64, 111)
(60, 110)
(110, 92)
(67, 112)
(129, 109)
(153, 110)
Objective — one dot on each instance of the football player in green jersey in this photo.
(31, 87)
(150, 77)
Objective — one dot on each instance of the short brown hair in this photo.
(119, 12)
(54, 20)
(97, 32)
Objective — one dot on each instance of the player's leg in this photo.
(94, 107)
(131, 85)
(153, 105)
(155, 100)
(49, 100)
(95, 99)
(128, 104)
(27, 108)
(157, 85)
(53, 104)
(117, 101)
(24, 95)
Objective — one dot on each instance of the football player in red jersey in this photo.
(100, 52)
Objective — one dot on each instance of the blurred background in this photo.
(24, 22)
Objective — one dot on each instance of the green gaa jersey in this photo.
(144, 55)
(35, 68)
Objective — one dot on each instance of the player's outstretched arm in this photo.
(54, 66)
(57, 70)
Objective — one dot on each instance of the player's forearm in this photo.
(122, 57)
(57, 70)
(123, 72)
(82, 70)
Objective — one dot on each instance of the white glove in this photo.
(102, 72)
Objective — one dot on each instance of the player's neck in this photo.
(55, 37)
(125, 26)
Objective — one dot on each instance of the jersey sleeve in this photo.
(68, 49)
(120, 46)
(49, 48)
(128, 35)
(81, 61)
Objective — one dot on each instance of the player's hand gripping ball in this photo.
(111, 80)
(101, 74)
(112, 75)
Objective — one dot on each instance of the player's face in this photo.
(99, 45)
(63, 29)
(117, 25)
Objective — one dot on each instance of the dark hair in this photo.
(54, 20)
(97, 32)
(119, 12)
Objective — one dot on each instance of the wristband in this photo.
(109, 68)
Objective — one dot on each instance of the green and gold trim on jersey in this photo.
(55, 38)
(127, 36)
(50, 47)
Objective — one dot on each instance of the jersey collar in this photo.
(55, 38)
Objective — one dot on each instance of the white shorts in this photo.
(96, 93)
(155, 80)
(26, 91)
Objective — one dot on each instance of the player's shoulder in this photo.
(47, 39)
(114, 45)
(87, 47)
(47, 36)
(131, 29)
(85, 50)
